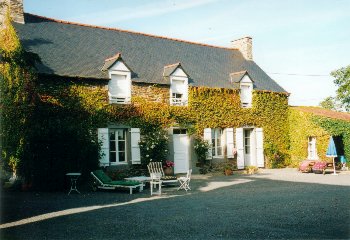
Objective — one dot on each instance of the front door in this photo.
(248, 147)
(181, 150)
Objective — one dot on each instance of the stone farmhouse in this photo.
(186, 88)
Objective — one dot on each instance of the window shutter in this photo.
(103, 138)
(207, 137)
(240, 148)
(135, 147)
(259, 147)
(229, 142)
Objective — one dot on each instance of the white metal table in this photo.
(73, 179)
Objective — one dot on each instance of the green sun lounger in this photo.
(102, 181)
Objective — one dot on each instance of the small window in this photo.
(179, 131)
(216, 141)
(177, 99)
(312, 150)
(117, 146)
(178, 92)
(119, 89)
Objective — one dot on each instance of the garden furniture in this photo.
(157, 168)
(185, 181)
(73, 179)
(102, 181)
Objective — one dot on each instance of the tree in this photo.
(328, 103)
(342, 80)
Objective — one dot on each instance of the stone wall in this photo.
(152, 93)
(16, 10)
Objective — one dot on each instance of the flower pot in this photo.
(169, 171)
(228, 172)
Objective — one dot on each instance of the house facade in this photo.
(128, 85)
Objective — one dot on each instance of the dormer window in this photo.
(119, 85)
(178, 84)
(246, 87)
(246, 94)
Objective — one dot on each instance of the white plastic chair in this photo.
(185, 181)
(155, 180)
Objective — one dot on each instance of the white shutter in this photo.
(207, 137)
(103, 138)
(240, 148)
(177, 86)
(135, 147)
(229, 142)
(119, 86)
(260, 147)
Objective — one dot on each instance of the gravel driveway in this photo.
(273, 204)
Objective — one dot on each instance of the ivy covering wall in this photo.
(304, 125)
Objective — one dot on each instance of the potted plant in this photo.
(228, 169)
(168, 168)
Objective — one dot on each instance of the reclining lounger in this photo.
(102, 181)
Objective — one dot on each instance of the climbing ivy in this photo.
(17, 99)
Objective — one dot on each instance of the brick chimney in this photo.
(245, 46)
(16, 10)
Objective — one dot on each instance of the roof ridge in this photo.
(239, 72)
(129, 31)
(173, 64)
(117, 55)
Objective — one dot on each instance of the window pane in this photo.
(219, 142)
(112, 157)
(219, 151)
(121, 134)
(121, 146)
(112, 135)
(121, 156)
(112, 145)
(247, 149)
(176, 131)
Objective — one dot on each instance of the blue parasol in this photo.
(332, 152)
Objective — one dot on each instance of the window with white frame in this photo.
(178, 91)
(119, 89)
(217, 142)
(117, 146)
(312, 150)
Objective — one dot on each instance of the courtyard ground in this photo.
(273, 204)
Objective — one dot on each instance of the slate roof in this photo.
(324, 112)
(77, 50)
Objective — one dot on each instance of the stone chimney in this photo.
(16, 10)
(245, 46)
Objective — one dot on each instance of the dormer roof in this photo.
(170, 69)
(237, 77)
(109, 62)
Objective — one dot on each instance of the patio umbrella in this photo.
(332, 152)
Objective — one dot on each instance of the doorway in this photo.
(181, 150)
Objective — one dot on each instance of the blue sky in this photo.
(293, 40)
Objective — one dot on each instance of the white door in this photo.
(248, 147)
(181, 150)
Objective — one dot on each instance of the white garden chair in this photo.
(185, 181)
